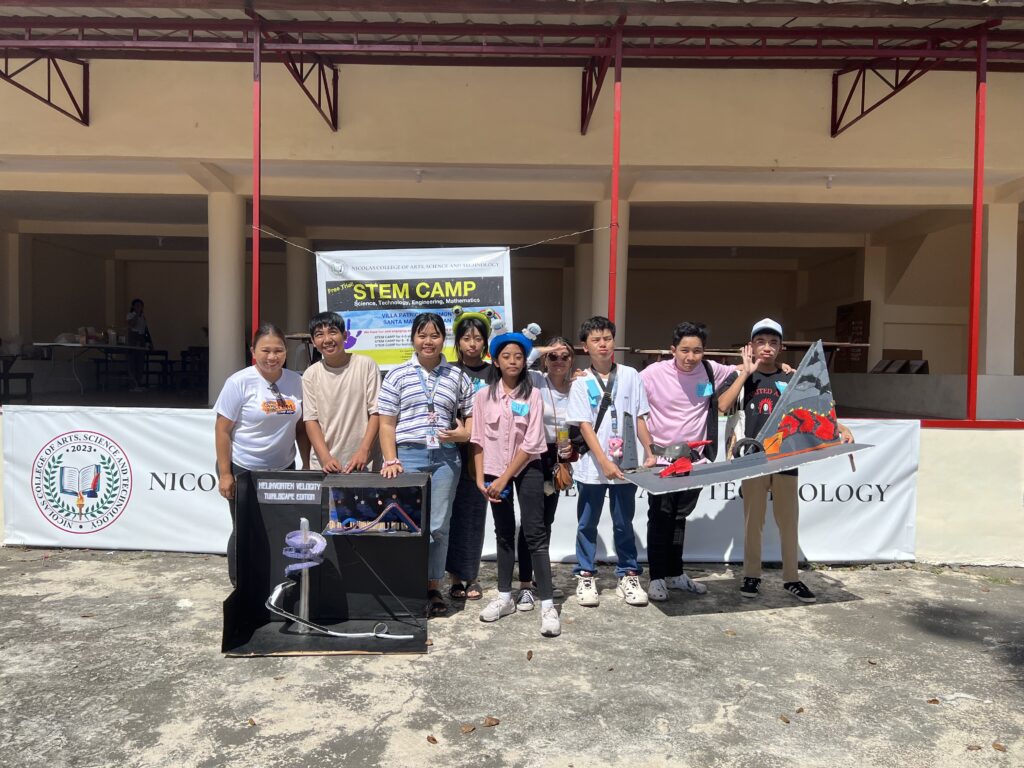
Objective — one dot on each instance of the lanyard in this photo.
(429, 394)
(609, 395)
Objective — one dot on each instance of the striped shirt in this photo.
(402, 396)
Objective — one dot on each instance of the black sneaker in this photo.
(800, 591)
(750, 585)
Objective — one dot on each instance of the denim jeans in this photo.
(466, 535)
(443, 482)
(588, 512)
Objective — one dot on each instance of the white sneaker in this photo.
(550, 625)
(497, 608)
(526, 600)
(657, 590)
(684, 582)
(629, 589)
(586, 591)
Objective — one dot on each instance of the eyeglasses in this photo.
(277, 393)
(559, 358)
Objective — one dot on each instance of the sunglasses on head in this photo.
(560, 358)
(277, 393)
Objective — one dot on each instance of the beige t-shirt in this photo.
(341, 401)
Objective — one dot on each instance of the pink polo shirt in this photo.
(679, 401)
(503, 426)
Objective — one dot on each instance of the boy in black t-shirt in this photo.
(762, 383)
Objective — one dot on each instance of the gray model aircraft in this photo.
(802, 429)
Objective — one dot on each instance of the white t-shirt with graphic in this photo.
(264, 433)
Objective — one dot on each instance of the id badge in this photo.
(432, 441)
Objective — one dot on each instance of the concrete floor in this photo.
(112, 659)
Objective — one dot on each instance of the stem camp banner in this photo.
(379, 293)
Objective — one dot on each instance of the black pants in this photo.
(666, 531)
(232, 549)
(529, 488)
(547, 463)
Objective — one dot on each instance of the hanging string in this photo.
(283, 240)
(276, 236)
(559, 237)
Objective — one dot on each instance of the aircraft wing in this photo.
(742, 468)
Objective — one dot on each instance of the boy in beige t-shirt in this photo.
(339, 400)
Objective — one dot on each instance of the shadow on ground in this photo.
(997, 631)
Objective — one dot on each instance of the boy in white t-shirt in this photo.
(340, 400)
(608, 406)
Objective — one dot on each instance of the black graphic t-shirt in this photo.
(761, 393)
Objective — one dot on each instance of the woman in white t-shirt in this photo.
(259, 419)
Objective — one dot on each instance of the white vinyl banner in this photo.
(846, 516)
(136, 478)
(112, 478)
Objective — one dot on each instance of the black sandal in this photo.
(457, 591)
(437, 605)
(474, 586)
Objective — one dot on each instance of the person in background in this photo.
(469, 509)
(508, 441)
(138, 328)
(259, 420)
(419, 406)
(138, 336)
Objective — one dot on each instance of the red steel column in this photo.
(613, 242)
(977, 213)
(256, 165)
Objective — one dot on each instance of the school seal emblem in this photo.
(81, 481)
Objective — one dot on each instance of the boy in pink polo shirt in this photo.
(682, 394)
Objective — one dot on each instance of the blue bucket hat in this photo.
(510, 338)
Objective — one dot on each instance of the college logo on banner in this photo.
(81, 481)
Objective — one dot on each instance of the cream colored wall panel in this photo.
(728, 303)
(68, 291)
(944, 346)
(696, 118)
(537, 298)
(970, 497)
(937, 273)
(175, 297)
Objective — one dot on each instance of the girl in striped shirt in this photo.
(419, 405)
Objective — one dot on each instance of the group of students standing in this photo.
(488, 431)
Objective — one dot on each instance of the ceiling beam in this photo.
(606, 8)
(920, 225)
(210, 176)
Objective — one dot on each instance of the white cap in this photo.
(767, 324)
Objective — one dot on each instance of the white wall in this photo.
(970, 497)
